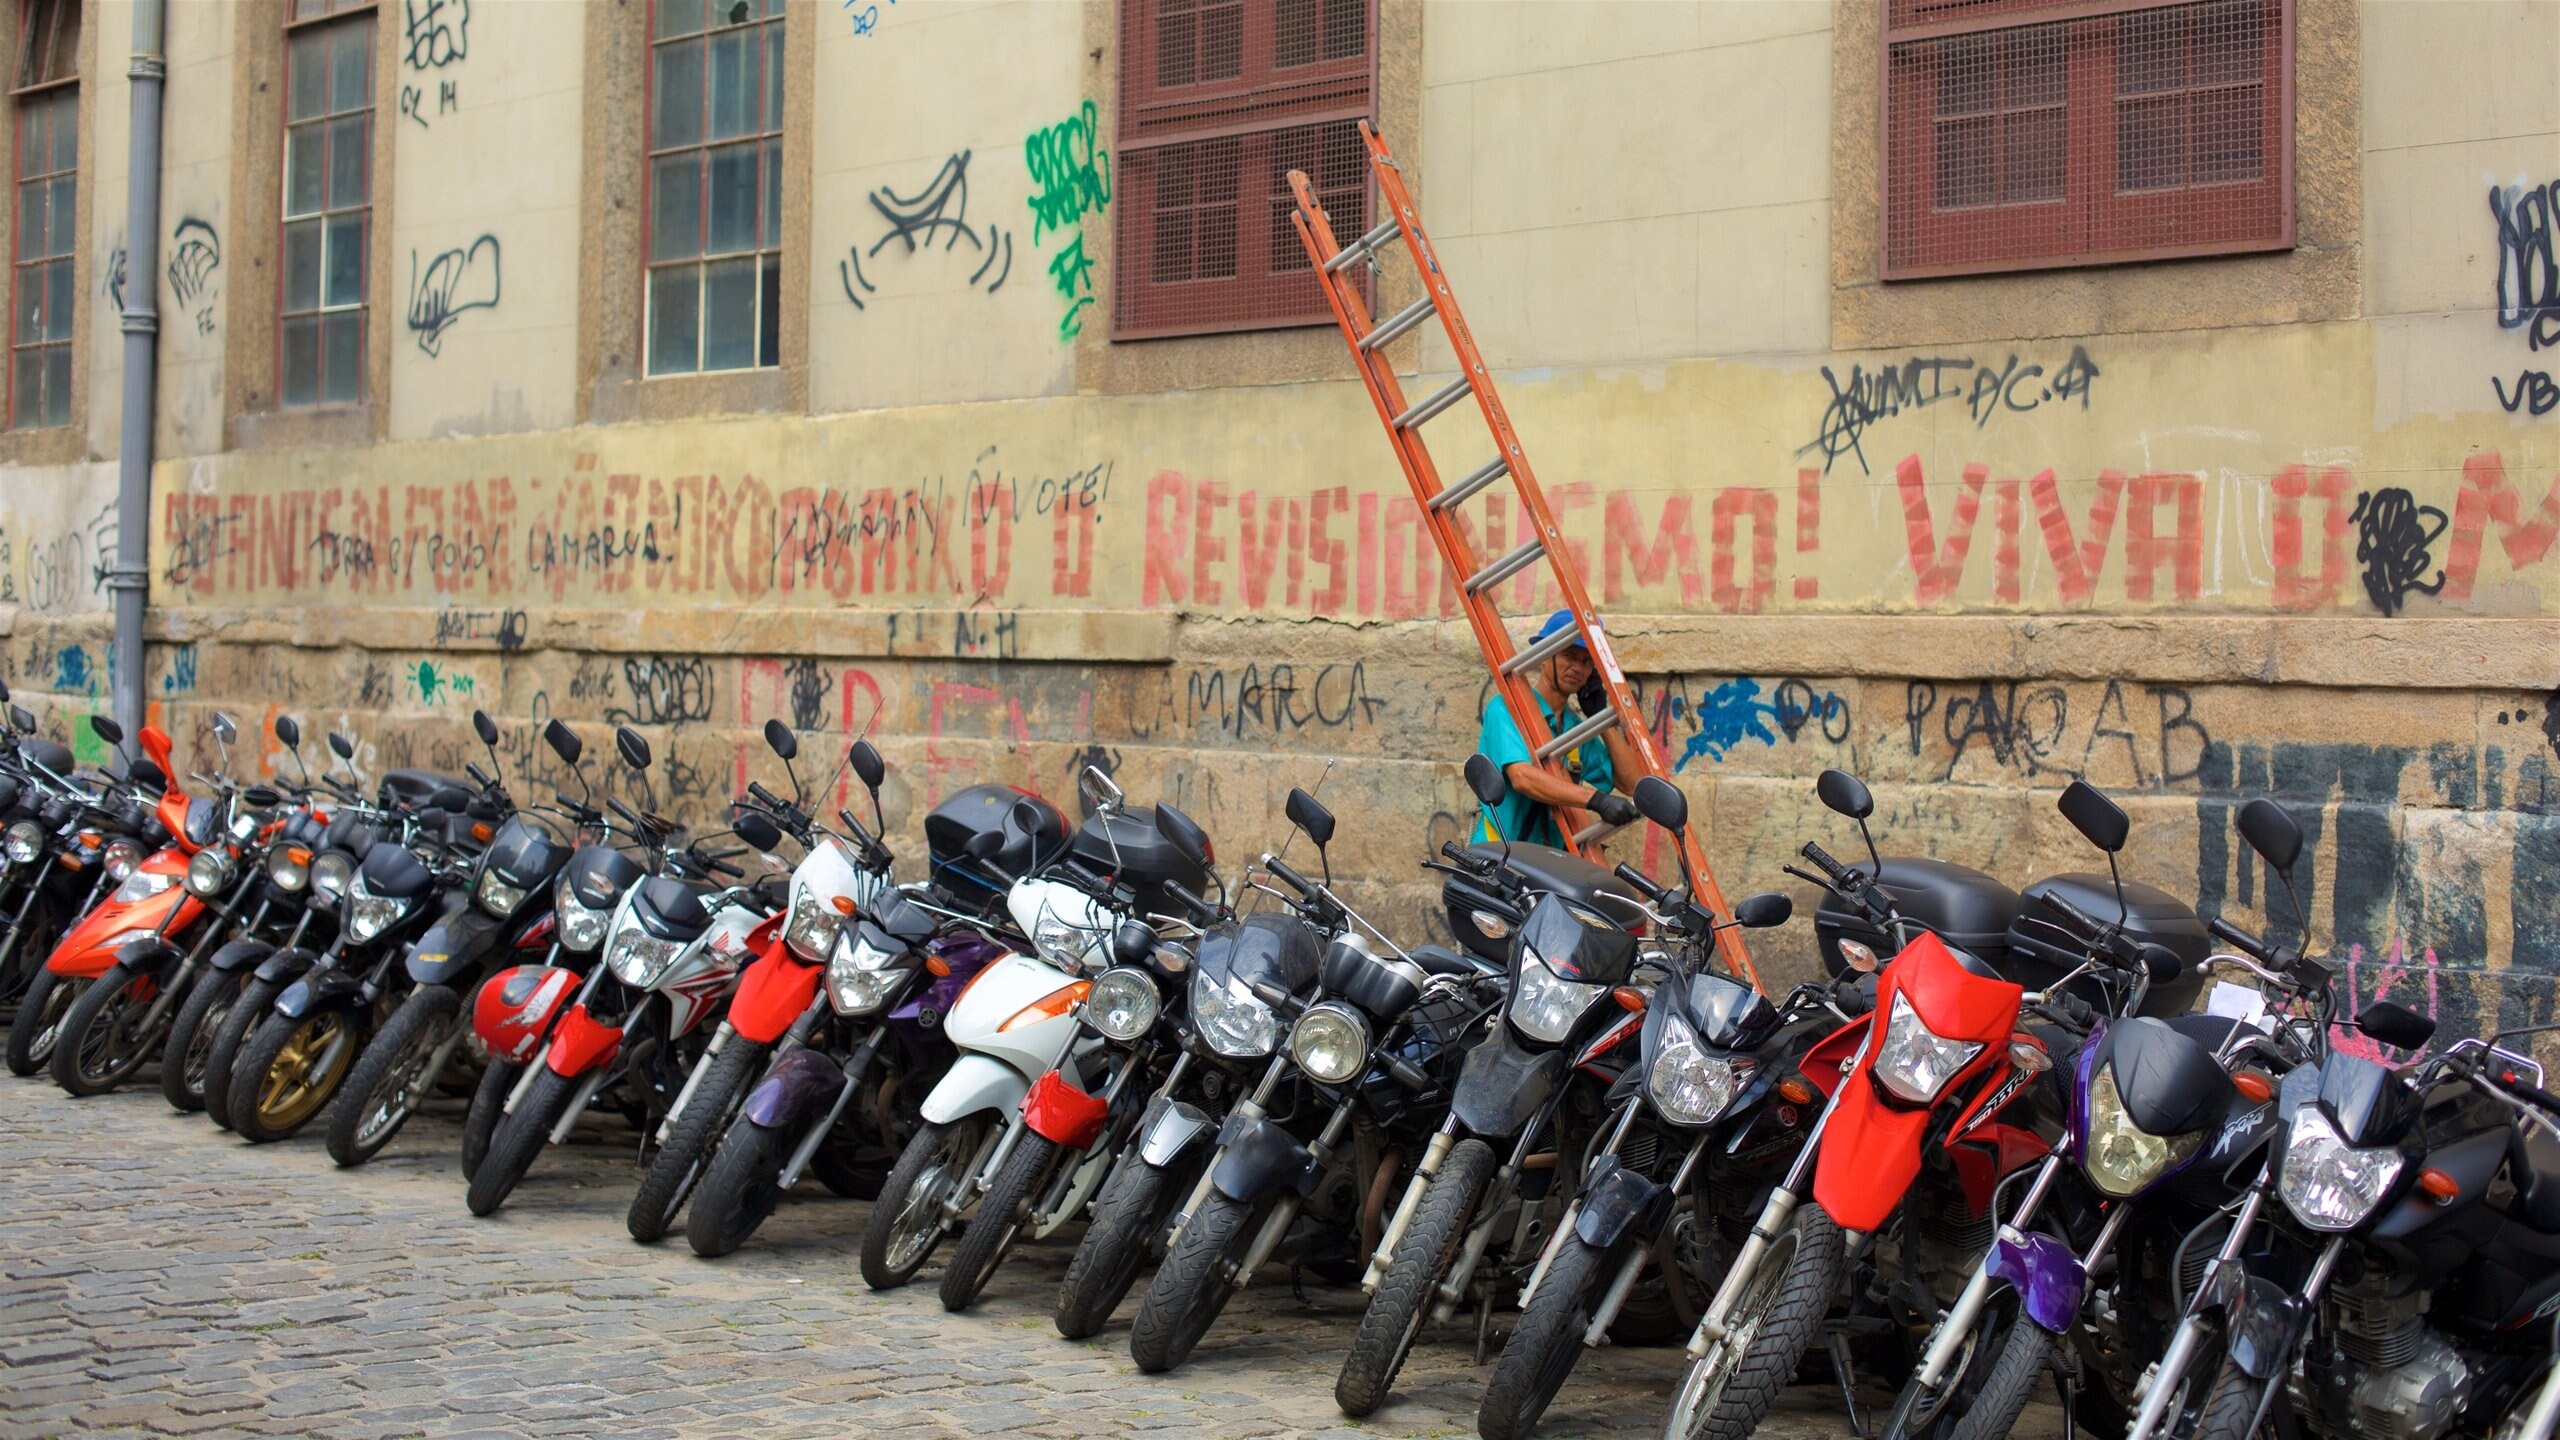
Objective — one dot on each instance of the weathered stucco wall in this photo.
(2190, 559)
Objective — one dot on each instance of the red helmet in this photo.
(514, 1008)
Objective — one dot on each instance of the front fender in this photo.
(973, 1083)
(799, 1087)
(2260, 1318)
(239, 955)
(582, 1043)
(1616, 1199)
(2047, 1276)
(1256, 1155)
(1172, 1127)
(321, 990)
(286, 965)
(773, 992)
(1056, 1110)
(153, 956)
(1501, 1084)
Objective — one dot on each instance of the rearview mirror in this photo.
(223, 729)
(633, 749)
(147, 773)
(757, 829)
(23, 718)
(289, 732)
(342, 747)
(1844, 794)
(1661, 802)
(2395, 1025)
(985, 844)
(105, 728)
(1763, 911)
(2098, 819)
(2271, 830)
(564, 742)
(262, 797)
(868, 764)
(4, 692)
(779, 738)
(1308, 813)
(1184, 835)
(1485, 779)
(484, 727)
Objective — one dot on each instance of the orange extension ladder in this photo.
(1334, 264)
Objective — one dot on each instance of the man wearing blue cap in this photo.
(1529, 812)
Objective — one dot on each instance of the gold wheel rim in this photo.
(294, 1088)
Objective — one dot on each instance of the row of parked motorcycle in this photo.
(1997, 1147)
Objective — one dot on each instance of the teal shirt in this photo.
(1518, 817)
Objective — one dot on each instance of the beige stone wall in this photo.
(2196, 532)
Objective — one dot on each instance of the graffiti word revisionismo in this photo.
(1868, 396)
(2528, 287)
(1071, 178)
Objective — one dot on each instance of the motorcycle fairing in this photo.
(88, 949)
(2049, 1279)
(451, 946)
(1258, 1156)
(2472, 1161)
(1056, 1110)
(1616, 1199)
(1170, 1128)
(975, 1082)
(582, 1043)
(1501, 1084)
(773, 992)
(800, 1086)
(514, 1009)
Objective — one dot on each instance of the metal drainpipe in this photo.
(130, 579)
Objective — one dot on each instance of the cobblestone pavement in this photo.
(158, 1277)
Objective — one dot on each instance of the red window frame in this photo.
(2096, 220)
(1270, 117)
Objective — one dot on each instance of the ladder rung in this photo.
(1579, 733)
(1569, 635)
(1362, 248)
(1506, 567)
(1432, 404)
(1404, 319)
(1594, 832)
(1467, 489)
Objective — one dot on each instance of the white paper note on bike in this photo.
(2238, 1002)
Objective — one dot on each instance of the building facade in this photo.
(1971, 393)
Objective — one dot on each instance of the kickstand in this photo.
(1837, 1342)
(2062, 1381)
(1484, 1321)
(1298, 1285)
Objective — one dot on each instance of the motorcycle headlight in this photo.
(813, 924)
(209, 871)
(368, 914)
(1124, 1003)
(1546, 1004)
(861, 976)
(1061, 944)
(120, 857)
(289, 868)
(1915, 1062)
(330, 874)
(1330, 1043)
(2329, 1184)
(580, 927)
(639, 959)
(2124, 1159)
(497, 896)
(142, 885)
(1232, 1018)
(24, 843)
(1689, 1085)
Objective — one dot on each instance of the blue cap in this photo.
(1563, 620)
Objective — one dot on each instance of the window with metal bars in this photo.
(715, 186)
(2017, 138)
(1219, 101)
(43, 297)
(328, 202)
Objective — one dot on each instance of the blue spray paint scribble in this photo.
(182, 672)
(72, 672)
(1725, 717)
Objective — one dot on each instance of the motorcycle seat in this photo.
(1441, 960)
(2533, 1162)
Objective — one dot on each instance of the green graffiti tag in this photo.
(1071, 178)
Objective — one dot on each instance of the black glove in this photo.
(1593, 698)
(1614, 808)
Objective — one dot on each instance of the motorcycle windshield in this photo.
(1279, 950)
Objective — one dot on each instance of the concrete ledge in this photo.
(1128, 636)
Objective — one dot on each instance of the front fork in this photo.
(1782, 1204)
(1252, 1107)
(855, 1067)
(1275, 1228)
(1959, 1320)
(1624, 1282)
(2544, 1417)
(2190, 1337)
(1442, 1142)
(1453, 1286)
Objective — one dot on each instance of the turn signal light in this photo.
(2253, 1085)
(481, 832)
(843, 904)
(1629, 998)
(936, 966)
(297, 854)
(2440, 1187)
(1050, 1006)
(1795, 1091)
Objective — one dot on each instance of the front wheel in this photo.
(2228, 1410)
(488, 1107)
(679, 1163)
(906, 1221)
(520, 1137)
(289, 1071)
(1544, 1346)
(1195, 1282)
(1990, 1373)
(39, 1021)
(1126, 1216)
(393, 1075)
(983, 1245)
(257, 998)
(185, 1061)
(1774, 1321)
(1406, 1293)
(101, 1042)
(740, 1190)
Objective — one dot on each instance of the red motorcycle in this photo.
(1917, 1091)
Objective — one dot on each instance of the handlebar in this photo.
(765, 797)
(1841, 875)
(1643, 886)
(2239, 939)
(1297, 882)
(614, 802)
(1198, 907)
